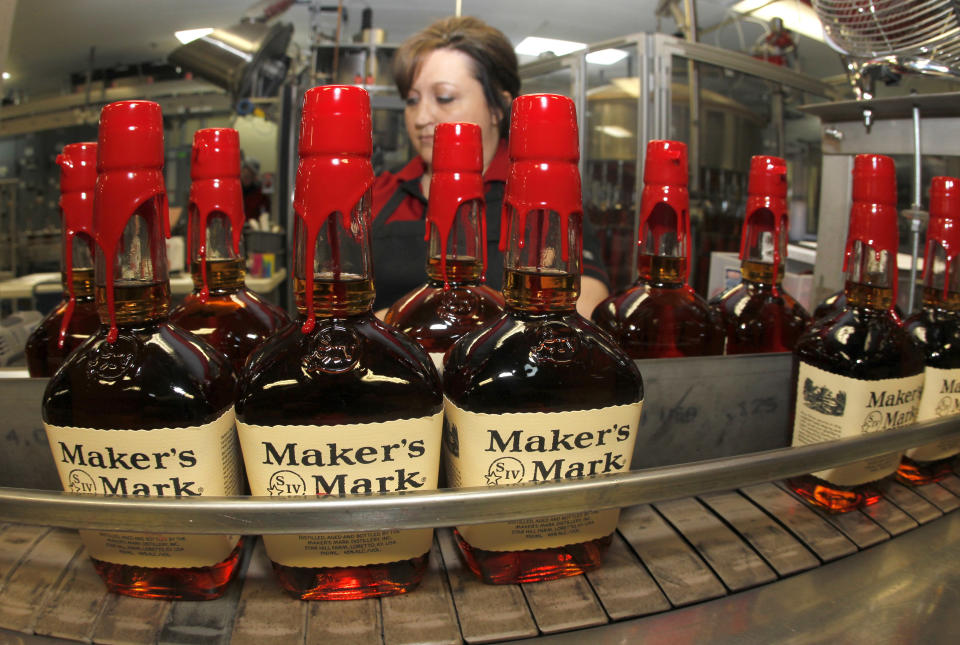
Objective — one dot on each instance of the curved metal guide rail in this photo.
(449, 507)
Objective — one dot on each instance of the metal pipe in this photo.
(450, 507)
(915, 213)
(693, 82)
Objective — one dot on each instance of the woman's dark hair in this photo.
(494, 61)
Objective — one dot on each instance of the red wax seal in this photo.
(334, 173)
(873, 215)
(544, 151)
(78, 176)
(944, 226)
(457, 178)
(129, 172)
(665, 182)
(766, 193)
(215, 187)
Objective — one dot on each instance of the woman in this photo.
(457, 69)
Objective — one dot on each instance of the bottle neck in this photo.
(763, 248)
(80, 259)
(141, 285)
(662, 254)
(341, 283)
(458, 260)
(870, 277)
(542, 262)
(941, 279)
(215, 265)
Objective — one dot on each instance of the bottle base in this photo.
(192, 583)
(536, 565)
(918, 473)
(833, 498)
(352, 583)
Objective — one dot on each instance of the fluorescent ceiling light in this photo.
(189, 35)
(615, 131)
(606, 56)
(6, 76)
(797, 16)
(534, 46)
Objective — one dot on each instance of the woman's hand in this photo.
(592, 293)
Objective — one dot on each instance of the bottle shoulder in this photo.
(346, 370)
(938, 334)
(861, 343)
(153, 376)
(436, 318)
(528, 363)
(241, 306)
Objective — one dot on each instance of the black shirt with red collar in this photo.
(397, 234)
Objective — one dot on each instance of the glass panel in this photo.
(610, 179)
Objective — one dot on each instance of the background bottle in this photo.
(661, 316)
(541, 393)
(455, 299)
(757, 315)
(936, 328)
(73, 320)
(858, 371)
(142, 407)
(340, 403)
(221, 310)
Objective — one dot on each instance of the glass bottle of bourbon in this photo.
(339, 402)
(142, 407)
(541, 394)
(455, 299)
(221, 310)
(73, 320)
(757, 315)
(936, 327)
(661, 316)
(858, 371)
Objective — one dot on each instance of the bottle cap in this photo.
(457, 147)
(336, 121)
(216, 154)
(78, 177)
(130, 136)
(874, 180)
(944, 226)
(665, 183)
(544, 151)
(768, 176)
(129, 166)
(543, 127)
(78, 167)
(456, 178)
(334, 172)
(666, 163)
(766, 197)
(215, 170)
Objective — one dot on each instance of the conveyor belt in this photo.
(665, 556)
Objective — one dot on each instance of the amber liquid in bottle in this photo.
(232, 318)
(757, 320)
(540, 356)
(436, 317)
(43, 352)
(455, 300)
(661, 316)
(155, 375)
(864, 341)
(350, 368)
(936, 328)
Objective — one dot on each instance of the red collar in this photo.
(500, 164)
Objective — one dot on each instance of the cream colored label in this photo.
(348, 459)
(505, 449)
(161, 462)
(437, 358)
(941, 398)
(831, 407)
